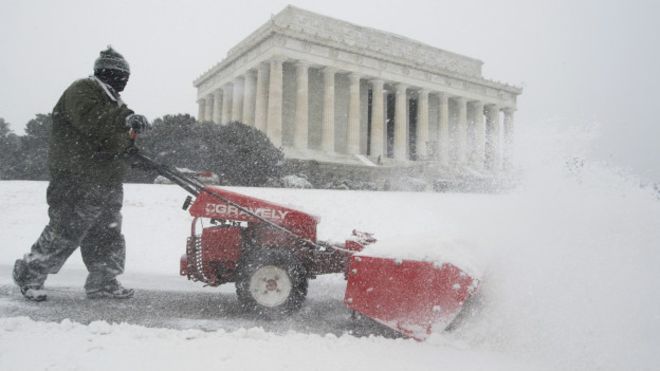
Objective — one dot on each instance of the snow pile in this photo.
(429, 247)
(294, 181)
(30, 345)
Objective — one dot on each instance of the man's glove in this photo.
(137, 123)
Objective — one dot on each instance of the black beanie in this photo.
(109, 59)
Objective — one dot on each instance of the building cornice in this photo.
(303, 25)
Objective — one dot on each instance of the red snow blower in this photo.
(271, 252)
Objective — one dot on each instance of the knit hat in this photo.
(111, 60)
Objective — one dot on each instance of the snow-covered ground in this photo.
(568, 262)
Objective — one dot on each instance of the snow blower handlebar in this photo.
(195, 187)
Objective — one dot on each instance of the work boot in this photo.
(110, 290)
(23, 278)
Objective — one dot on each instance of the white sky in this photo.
(578, 61)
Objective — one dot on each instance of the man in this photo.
(86, 162)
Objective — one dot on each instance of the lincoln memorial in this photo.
(327, 90)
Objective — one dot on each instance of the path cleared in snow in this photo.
(172, 302)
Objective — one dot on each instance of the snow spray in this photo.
(570, 260)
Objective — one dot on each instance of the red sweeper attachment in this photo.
(271, 252)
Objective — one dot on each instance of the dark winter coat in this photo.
(89, 134)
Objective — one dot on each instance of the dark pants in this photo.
(85, 215)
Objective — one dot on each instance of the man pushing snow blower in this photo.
(268, 250)
(85, 193)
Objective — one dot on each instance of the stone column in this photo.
(443, 129)
(479, 153)
(201, 109)
(461, 132)
(377, 143)
(249, 97)
(226, 103)
(493, 158)
(210, 100)
(422, 124)
(261, 103)
(274, 126)
(328, 126)
(237, 104)
(508, 137)
(217, 106)
(353, 139)
(401, 123)
(301, 128)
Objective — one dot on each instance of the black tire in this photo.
(271, 282)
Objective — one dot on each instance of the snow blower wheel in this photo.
(271, 283)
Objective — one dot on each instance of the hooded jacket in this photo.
(89, 134)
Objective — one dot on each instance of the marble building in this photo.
(335, 92)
